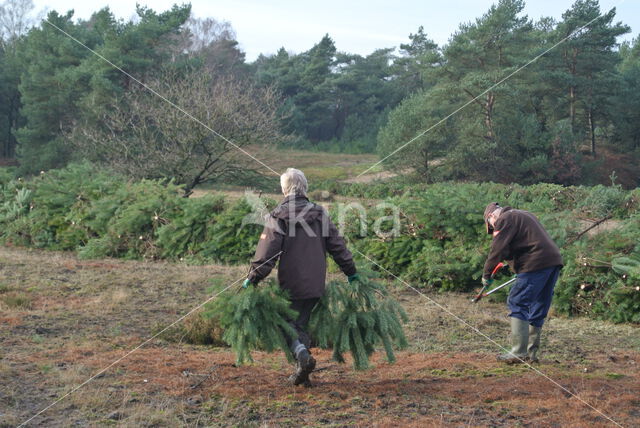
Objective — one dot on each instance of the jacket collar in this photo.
(294, 198)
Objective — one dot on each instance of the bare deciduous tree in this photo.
(146, 137)
(15, 18)
(213, 41)
(205, 32)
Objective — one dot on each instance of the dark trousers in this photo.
(304, 308)
(530, 297)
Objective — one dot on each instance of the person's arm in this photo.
(338, 250)
(269, 245)
(503, 234)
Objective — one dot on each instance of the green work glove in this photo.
(487, 282)
(354, 277)
(246, 283)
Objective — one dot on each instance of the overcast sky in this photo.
(356, 26)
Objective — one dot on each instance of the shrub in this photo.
(602, 201)
(7, 175)
(55, 200)
(441, 242)
(203, 330)
(125, 223)
(600, 275)
(233, 237)
(190, 228)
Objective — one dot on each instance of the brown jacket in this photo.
(520, 239)
(304, 233)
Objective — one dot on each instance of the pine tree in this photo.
(50, 87)
(230, 240)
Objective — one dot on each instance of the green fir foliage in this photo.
(441, 241)
(254, 318)
(356, 318)
(601, 277)
(100, 214)
(233, 237)
(191, 229)
(135, 214)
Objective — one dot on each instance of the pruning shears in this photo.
(482, 294)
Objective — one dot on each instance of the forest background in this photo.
(570, 117)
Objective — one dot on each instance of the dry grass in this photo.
(321, 165)
(86, 314)
(19, 301)
(317, 166)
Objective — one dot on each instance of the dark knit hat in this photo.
(487, 212)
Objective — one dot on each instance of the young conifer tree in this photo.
(355, 318)
(351, 318)
(255, 318)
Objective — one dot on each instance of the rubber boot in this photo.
(519, 342)
(305, 364)
(534, 343)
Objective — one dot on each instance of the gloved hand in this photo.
(354, 277)
(487, 282)
(246, 283)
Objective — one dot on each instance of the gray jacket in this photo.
(304, 233)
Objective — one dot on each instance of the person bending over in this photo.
(520, 239)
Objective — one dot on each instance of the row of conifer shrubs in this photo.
(441, 241)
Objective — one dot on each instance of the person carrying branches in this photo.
(302, 233)
(520, 239)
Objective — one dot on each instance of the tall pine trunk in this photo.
(572, 106)
(572, 89)
(488, 115)
(592, 131)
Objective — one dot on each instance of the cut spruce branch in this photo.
(351, 318)
(255, 319)
(593, 226)
(356, 318)
(626, 266)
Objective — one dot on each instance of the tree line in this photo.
(547, 121)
